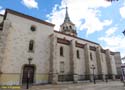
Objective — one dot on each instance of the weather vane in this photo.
(65, 3)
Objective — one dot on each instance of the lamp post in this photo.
(106, 78)
(28, 73)
(28, 76)
(93, 68)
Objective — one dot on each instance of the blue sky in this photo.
(96, 20)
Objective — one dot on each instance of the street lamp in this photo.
(28, 77)
(28, 73)
(106, 78)
(93, 68)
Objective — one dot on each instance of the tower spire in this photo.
(68, 27)
(67, 19)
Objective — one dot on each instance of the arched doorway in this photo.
(28, 72)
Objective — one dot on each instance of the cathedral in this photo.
(31, 49)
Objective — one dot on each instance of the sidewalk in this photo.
(111, 85)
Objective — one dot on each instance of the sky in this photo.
(96, 20)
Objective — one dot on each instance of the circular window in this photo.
(33, 28)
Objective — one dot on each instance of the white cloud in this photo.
(80, 11)
(2, 11)
(113, 42)
(94, 24)
(30, 3)
(111, 31)
(122, 11)
(123, 2)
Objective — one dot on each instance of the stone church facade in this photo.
(30, 48)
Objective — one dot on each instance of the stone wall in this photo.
(16, 52)
(1, 18)
(118, 62)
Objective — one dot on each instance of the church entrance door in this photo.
(28, 74)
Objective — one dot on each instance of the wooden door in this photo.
(28, 73)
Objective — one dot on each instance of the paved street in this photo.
(111, 85)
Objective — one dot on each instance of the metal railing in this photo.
(118, 76)
(69, 77)
(83, 77)
(99, 77)
(109, 76)
(66, 77)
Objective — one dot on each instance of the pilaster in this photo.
(113, 77)
(53, 61)
(99, 63)
(74, 62)
(108, 62)
(87, 63)
(118, 63)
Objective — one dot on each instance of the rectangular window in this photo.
(91, 56)
(61, 67)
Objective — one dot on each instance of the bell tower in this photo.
(68, 27)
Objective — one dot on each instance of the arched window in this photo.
(63, 28)
(31, 45)
(77, 52)
(61, 51)
(70, 27)
(66, 27)
(91, 56)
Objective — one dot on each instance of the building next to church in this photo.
(29, 47)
